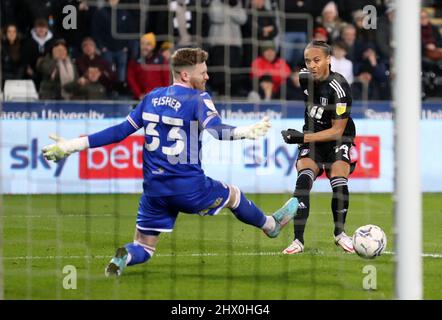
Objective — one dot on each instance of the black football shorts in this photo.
(326, 153)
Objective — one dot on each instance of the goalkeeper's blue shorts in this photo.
(159, 213)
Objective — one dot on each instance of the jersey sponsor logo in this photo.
(324, 101)
(209, 104)
(315, 112)
(341, 108)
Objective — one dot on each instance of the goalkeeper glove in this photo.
(62, 148)
(253, 131)
(292, 136)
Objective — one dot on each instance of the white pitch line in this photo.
(34, 216)
(160, 255)
(208, 254)
(98, 215)
(424, 255)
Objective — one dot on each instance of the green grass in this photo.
(204, 258)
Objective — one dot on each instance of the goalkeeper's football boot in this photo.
(282, 216)
(117, 264)
(345, 242)
(295, 247)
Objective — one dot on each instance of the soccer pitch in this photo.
(205, 257)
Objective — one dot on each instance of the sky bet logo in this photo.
(25, 157)
(366, 153)
(263, 156)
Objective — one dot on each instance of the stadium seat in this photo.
(20, 90)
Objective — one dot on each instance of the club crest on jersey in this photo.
(324, 101)
(341, 108)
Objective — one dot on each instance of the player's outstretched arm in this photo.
(225, 132)
(334, 133)
(62, 148)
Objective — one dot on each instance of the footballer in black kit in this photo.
(324, 143)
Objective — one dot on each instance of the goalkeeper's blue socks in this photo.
(138, 253)
(246, 211)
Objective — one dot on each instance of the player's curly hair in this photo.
(187, 57)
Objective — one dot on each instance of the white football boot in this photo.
(345, 242)
(295, 247)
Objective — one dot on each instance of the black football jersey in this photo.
(325, 101)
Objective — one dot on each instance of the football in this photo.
(369, 241)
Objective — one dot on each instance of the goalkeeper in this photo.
(172, 119)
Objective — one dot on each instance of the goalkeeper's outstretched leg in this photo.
(247, 212)
(140, 251)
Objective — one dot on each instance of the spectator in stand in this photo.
(363, 34)
(330, 20)
(190, 21)
(58, 71)
(265, 90)
(384, 32)
(12, 55)
(294, 36)
(320, 34)
(8, 13)
(339, 63)
(28, 11)
(347, 8)
(354, 47)
(37, 47)
(294, 90)
(225, 39)
(371, 74)
(88, 87)
(260, 26)
(166, 50)
(73, 37)
(269, 63)
(149, 71)
(431, 39)
(114, 50)
(89, 58)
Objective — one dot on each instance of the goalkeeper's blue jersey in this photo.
(173, 118)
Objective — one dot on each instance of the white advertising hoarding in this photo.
(266, 165)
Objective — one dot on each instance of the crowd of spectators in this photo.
(119, 51)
